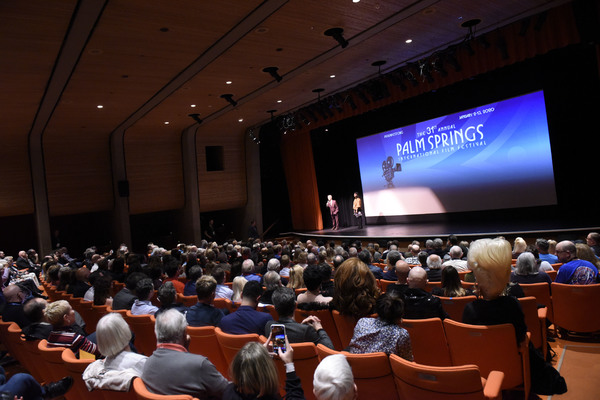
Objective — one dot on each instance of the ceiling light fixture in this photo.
(99, 106)
(273, 72)
(196, 117)
(336, 33)
(229, 98)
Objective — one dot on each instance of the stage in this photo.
(465, 231)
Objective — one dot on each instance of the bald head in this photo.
(12, 294)
(402, 270)
(417, 278)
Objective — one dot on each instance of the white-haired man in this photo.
(172, 369)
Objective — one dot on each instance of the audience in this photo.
(573, 270)
(333, 379)
(145, 291)
(383, 333)
(451, 284)
(64, 332)
(167, 297)
(203, 313)
(246, 319)
(456, 259)
(402, 269)
(418, 302)
(222, 291)
(355, 289)
(313, 279)
(434, 268)
(527, 270)
(310, 330)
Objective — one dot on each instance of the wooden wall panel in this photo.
(78, 172)
(154, 170)
(222, 190)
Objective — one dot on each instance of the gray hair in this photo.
(112, 334)
(247, 266)
(272, 280)
(455, 252)
(273, 264)
(526, 264)
(333, 379)
(434, 261)
(170, 327)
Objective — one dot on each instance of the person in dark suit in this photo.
(310, 330)
(418, 303)
(125, 298)
(203, 313)
(334, 211)
(172, 369)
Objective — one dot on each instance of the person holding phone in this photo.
(310, 330)
(254, 375)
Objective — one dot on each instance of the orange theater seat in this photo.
(422, 382)
(428, 341)
(203, 340)
(576, 307)
(75, 368)
(231, 344)
(326, 321)
(454, 306)
(143, 329)
(535, 319)
(142, 393)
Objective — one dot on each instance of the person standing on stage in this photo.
(333, 210)
(357, 208)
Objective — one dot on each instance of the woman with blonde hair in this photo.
(296, 279)
(355, 289)
(520, 246)
(238, 287)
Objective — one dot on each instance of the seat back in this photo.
(430, 285)
(541, 292)
(17, 345)
(187, 301)
(31, 349)
(383, 284)
(372, 373)
(116, 287)
(75, 368)
(225, 304)
(142, 393)
(269, 308)
(326, 321)
(428, 341)
(231, 344)
(203, 340)
(415, 381)
(143, 329)
(454, 306)
(52, 359)
(552, 274)
(491, 347)
(345, 327)
(535, 319)
(576, 306)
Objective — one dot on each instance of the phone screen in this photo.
(278, 337)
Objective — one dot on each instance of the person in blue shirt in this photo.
(246, 319)
(543, 246)
(573, 270)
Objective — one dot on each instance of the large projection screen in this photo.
(496, 156)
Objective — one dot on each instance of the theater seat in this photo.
(75, 368)
(231, 344)
(52, 359)
(143, 329)
(576, 307)
(454, 306)
(203, 340)
(428, 341)
(142, 393)
(422, 382)
(327, 322)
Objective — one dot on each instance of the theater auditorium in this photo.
(299, 199)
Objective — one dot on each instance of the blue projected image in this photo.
(494, 156)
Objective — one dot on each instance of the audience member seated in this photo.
(125, 298)
(39, 328)
(22, 386)
(142, 305)
(392, 258)
(80, 284)
(585, 252)
(101, 292)
(203, 313)
(434, 268)
(573, 270)
(326, 281)
(167, 296)
(296, 278)
(172, 369)
(365, 256)
(194, 273)
(310, 330)
(456, 259)
(172, 270)
(120, 365)
(543, 247)
(313, 279)
(383, 333)
(14, 296)
(333, 379)
(418, 303)
(527, 270)
(284, 271)
(451, 285)
(246, 319)
(412, 257)
(593, 240)
(248, 271)
(271, 281)
(355, 290)
(520, 246)
(64, 331)
(237, 287)
(400, 286)
(254, 375)
(223, 291)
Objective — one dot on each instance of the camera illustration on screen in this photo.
(389, 169)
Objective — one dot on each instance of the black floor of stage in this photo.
(549, 229)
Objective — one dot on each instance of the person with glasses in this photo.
(573, 270)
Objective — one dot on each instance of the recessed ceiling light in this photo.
(355, 1)
(332, 76)
(192, 105)
(166, 122)
(408, 41)
(279, 101)
(241, 119)
(100, 106)
(228, 82)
